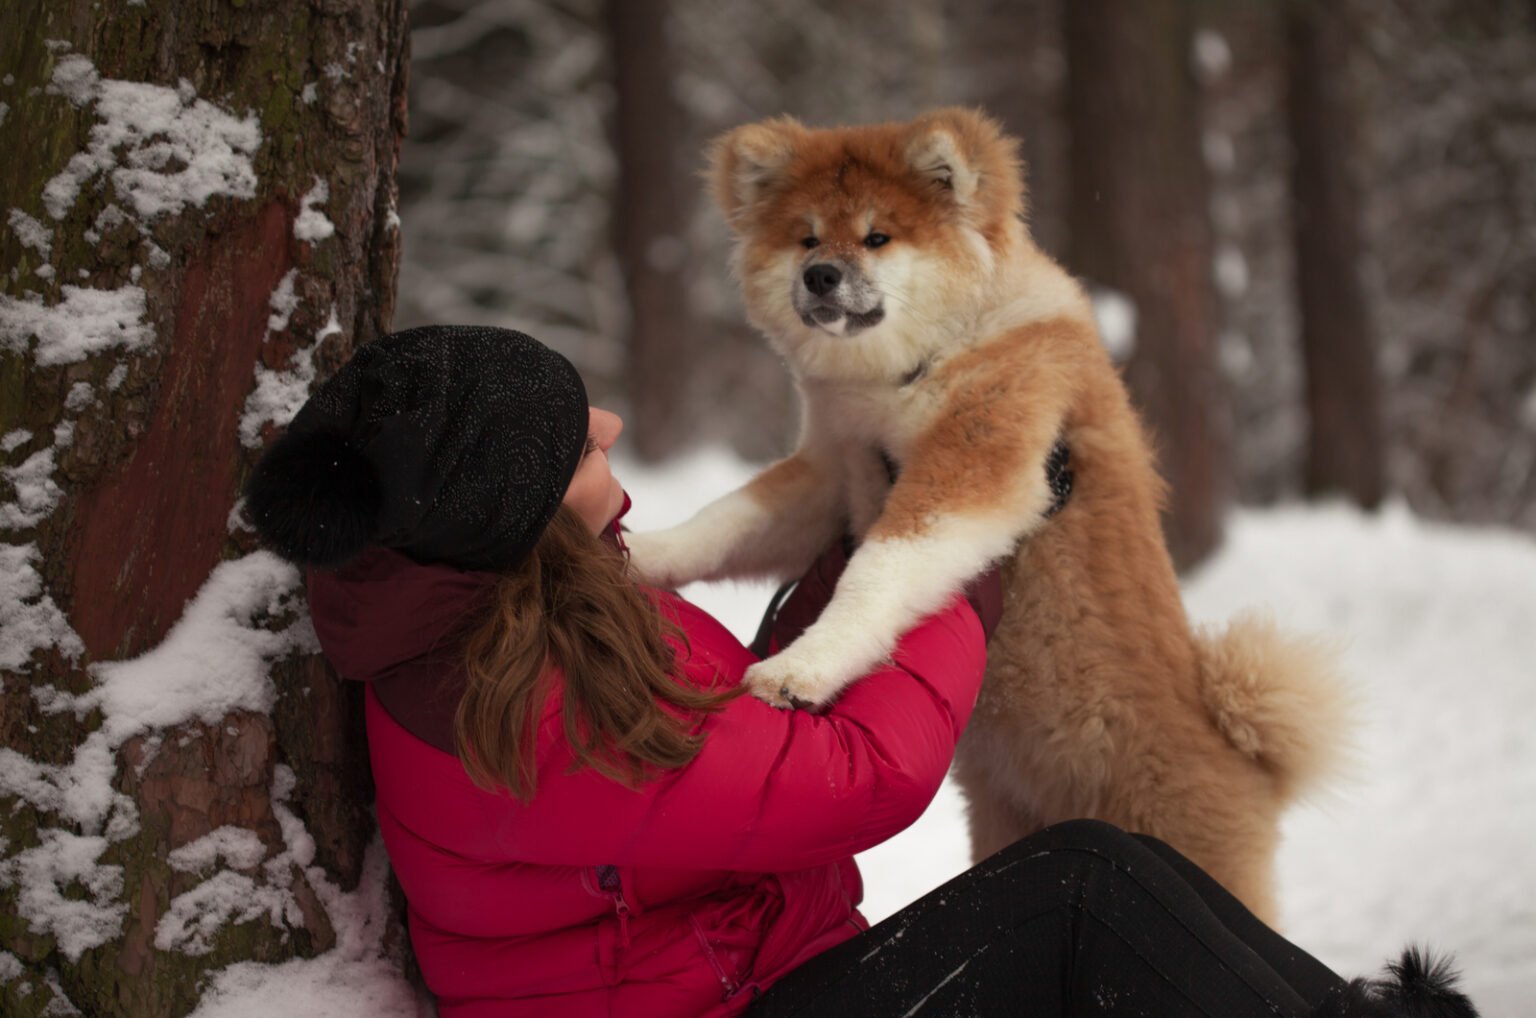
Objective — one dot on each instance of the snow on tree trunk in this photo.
(1139, 224)
(200, 202)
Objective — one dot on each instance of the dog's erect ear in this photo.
(966, 154)
(747, 161)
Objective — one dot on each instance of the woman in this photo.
(588, 820)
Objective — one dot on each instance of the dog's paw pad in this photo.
(779, 683)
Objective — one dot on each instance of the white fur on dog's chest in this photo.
(884, 417)
(852, 430)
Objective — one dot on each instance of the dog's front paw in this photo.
(660, 559)
(787, 682)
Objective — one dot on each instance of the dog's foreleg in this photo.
(773, 526)
(889, 585)
(972, 485)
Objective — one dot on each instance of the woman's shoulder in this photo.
(710, 655)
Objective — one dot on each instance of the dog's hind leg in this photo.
(995, 818)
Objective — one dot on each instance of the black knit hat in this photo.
(450, 444)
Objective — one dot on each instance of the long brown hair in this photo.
(572, 605)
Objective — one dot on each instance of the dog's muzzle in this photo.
(826, 296)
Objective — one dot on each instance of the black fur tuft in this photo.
(314, 499)
(1419, 986)
(1423, 986)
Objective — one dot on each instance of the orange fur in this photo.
(963, 353)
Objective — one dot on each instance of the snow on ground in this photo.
(1432, 839)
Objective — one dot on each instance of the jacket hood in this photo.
(383, 609)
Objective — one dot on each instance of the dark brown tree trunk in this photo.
(1344, 447)
(650, 214)
(149, 430)
(1011, 52)
(1139, 224)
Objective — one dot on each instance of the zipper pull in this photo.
(621, 909)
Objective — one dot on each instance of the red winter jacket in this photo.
(688, 896)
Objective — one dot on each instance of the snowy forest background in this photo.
(1308, 227)
(526, 176)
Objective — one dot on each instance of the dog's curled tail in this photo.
(1279, 699)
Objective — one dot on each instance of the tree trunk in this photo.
(202, 223)
(1344, 447)
(650, 214)
(1138, 224)
(1011, 54)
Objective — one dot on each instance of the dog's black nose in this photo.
(821, 278)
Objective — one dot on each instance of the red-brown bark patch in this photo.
(151, 531)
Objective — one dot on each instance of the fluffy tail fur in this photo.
(1278, 699)
(1418, 986)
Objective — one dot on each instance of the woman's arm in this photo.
(771, 790)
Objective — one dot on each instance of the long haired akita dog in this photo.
(949, 370)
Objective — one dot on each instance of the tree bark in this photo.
(1344, 445)
(650, 213)
(145, 443)
(1139, 224)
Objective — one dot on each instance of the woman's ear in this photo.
(746, 162)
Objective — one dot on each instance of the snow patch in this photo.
(15, 439)
(353, 978)
(108, 219)
(1231, 271)
(1219, 152)
(283, 303)
(239, 846)
(312, 224)
(193, 919)
(1115, 314)
(29, 620)
(237, 521)
(85, 322)
(115, 379)
(214, 661)
(1212, 56)
(176, 149)
(279, 394)
(81, 395)
(32, 233)
(65, 863)
(36, 493)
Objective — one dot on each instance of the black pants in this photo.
(1079, 919)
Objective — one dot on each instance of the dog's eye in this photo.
(876, 240)
(810, 242)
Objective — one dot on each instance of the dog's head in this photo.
(861, 250)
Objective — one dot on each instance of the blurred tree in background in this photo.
(1363, 176)
(1344, 450)
(1138, 223)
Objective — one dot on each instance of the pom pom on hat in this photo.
(315, 499)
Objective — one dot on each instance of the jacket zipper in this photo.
(609, 880)
(730, 985)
